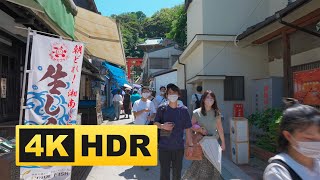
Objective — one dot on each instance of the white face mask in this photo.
(145, 95)
(309, 149)
(173, 98)
(209, 102)
(162, 93)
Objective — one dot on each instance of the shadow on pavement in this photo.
(138, 172)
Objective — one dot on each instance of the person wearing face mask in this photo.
(143, 109)
(207, 121)
(299, 144)
(172, 121)
(161, 97)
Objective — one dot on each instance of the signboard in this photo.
(307, 86)
(53, 85)
(53, 93)
(3, 87)
(46, 173)
(238, 110)
(266, 97)
(98, 109)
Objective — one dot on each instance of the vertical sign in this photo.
(266, 96)
(3, 87)
(238, 110)
(53, 85)
(53, 91)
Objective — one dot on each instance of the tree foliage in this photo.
(178, 31)
(136, 27)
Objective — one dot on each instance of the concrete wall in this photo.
(194, 19)
(228, 17)
(194, 62)
(165, 79)
(180, 76)
(249, 62)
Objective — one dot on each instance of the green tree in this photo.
(136, 27)
(159, 24)
(178, 31)
(131, 28)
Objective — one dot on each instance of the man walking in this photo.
(143, 109)
(161, 97)
(135, 96)
(172, 120)
(196, 98)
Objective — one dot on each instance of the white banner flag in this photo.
(53, 86)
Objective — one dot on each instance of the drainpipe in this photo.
(185, 74)
(314, 33)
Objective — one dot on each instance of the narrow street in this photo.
(126, 172)
(229, 169)
(69, 67)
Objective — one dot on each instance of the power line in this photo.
(251, 13)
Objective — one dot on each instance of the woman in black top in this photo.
(127, 104)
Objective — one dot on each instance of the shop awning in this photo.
(101, 36)
(118, 75)
(60, 12)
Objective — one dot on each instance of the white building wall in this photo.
(165, 79)
(180, 76)
(194, 19)
(194, 62)
(228, 17)
(250, 62)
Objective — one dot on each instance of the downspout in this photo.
(185, 73)
(314, 33)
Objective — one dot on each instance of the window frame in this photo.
(232, 83)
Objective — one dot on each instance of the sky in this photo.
(149, 7)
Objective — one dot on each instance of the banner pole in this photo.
(26, 60)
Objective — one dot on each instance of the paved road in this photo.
(229, 170)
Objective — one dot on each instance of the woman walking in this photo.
(117, 103)
(299, 144)
(207, 121)
(127, 104)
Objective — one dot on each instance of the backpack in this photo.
(293, 174)
(197, 102)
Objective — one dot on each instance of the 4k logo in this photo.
(46, 145)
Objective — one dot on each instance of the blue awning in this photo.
(118, 76)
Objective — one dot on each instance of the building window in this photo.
(234, 88)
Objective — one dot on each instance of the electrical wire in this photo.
(251, 13)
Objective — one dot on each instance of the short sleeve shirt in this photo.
(181, 118)
(194, 99)
(140, 105)
(135, 97)
(117, 97)
(209, 122)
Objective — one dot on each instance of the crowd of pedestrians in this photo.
(299, 134)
